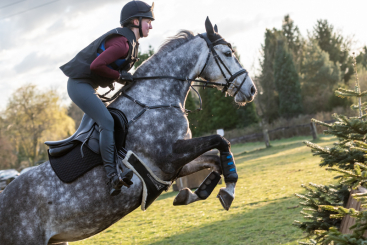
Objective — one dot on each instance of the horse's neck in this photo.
(183, 62)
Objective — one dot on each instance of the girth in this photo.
(152, 185)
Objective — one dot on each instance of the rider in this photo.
(104, 61)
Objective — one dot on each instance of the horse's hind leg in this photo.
(188, 150)
(186, 196)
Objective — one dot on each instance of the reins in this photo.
(206, 83)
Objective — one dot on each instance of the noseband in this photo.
(229, 81)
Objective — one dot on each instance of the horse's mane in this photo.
(169, 45)
(174, 42)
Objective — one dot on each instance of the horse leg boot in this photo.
(226, 195)
(109, 157)
(186, 196)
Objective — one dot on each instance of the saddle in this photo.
(72, 157)
(88, 135)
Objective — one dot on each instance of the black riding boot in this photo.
(110, 160)
(115, 181)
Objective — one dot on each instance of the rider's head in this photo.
(137, 15)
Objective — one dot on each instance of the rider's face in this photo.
(146, 25)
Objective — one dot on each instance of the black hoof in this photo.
(184, 197)
(225, 199)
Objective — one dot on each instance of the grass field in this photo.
(262, 212)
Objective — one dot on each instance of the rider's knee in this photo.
(107, 124)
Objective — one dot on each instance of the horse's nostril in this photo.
(253, 90)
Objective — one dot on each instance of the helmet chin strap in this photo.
(140, 30)
(139, 26)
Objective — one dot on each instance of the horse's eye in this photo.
(228, 54)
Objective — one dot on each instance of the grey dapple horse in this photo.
(38, 208)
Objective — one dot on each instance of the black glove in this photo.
(125, 77)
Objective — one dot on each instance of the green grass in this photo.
(262, 213)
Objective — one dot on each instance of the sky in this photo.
(38, 36)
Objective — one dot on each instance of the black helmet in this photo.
(136, 9)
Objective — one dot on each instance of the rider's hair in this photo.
(130, 23)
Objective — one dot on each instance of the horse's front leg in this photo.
(187, 150)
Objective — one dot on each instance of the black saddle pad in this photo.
(72, 165)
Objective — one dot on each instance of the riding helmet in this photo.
(136, 9)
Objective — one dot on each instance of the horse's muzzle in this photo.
(252, 94)
(246, 97)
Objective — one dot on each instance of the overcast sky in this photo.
(38, 36)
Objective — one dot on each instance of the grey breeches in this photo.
(83, 94)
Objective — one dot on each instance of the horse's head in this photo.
(223, 67)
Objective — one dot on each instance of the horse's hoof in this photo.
(184, 197)
(225, 198)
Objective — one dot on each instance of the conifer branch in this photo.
(321, 123)
(316, 147)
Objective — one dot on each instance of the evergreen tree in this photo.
(195, 117)
(246, 115)
(335, 45)
(294, 40)
(218, 112)
(267, 99)
(362, 58)
(319, 76)
(348, 158)
(223, 111)
(317, 223)
(287, 82)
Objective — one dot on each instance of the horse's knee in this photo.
(224, 145)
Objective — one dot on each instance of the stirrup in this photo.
(125, 174)
(115, 188)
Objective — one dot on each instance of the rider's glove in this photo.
(125, 77)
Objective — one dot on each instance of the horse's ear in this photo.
(216, 28)
(209, 27)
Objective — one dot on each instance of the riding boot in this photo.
(115, 182)
(110, 158)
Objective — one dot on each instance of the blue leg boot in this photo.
(228, 167)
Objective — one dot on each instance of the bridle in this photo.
(230, 85)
